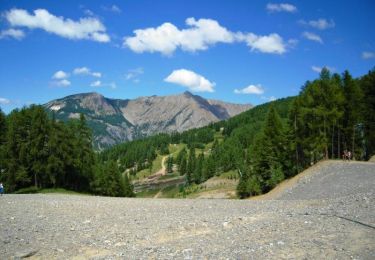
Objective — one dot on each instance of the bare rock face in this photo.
(115, 120)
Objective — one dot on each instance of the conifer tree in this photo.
(127, 187)
(170, 164)
(353, 114)
(367, 84)
(269, 153)
(197, 176)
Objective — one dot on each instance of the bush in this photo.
(29, 190)
(277, 176)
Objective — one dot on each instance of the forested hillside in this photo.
(263, 146)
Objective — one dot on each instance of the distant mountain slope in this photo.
(115, 120)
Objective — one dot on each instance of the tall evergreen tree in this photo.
(367, 84)
(3, 132)
(197, 176)
(38, 140)
(127, 187)
(353, 114)
(269, 152)
(170, 164)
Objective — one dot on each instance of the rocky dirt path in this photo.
(330, 215)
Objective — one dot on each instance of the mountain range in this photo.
(119, 120)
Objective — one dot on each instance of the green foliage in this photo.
(170, 164)
(367, 84)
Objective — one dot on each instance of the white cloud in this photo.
(12, 33)
(86, 71)
(60, 75)
(96, 74)
(81, 71)
(368, 55)
(112, 85)
(86, 28)
(251, 89)
(321, 24)
(312, 37)
(200, 35)
(281, 8)
(62, 83)
(97, 83)
(191, 80)
(272, 43)
(4, 101)
(134, 73)
(113, 8)
(319, 69)
(272, 98)
(88, 12)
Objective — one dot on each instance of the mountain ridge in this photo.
(119, 120)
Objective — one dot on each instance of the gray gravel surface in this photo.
(299, 225)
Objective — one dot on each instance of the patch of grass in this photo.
(33, 190)
(62, 191)
(174, 149)
(147, 193)
(169, 176)
(231, 175)
(28, 190)
(156, 166)
(171, 192)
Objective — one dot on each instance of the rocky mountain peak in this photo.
(115, 120)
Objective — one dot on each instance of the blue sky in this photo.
(236, 51)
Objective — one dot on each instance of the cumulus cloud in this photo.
(96, 74)
(60, 75)
(281, 8)
(272, 43)
(4, 101)
(312, 37)
(62, 83)
(86, 28)
(134, 74)
(251, 89)
(319, 69)
(12, 33)
(321, 24)
(191, 80)
(86, 71)
(368, 55)
(200, 35)
(97, 83)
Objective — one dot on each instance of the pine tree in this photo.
(182, 166)
(170, 164)
(3, 132)
(353, 114)
(269, 152)
(197, 176)
(191, 163)
(128, 189)
(38, 139)
(367, 84)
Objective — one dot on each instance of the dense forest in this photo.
(264, 145)
(39, 152)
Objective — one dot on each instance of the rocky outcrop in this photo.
(115, 120)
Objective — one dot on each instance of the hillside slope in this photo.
(330, 215)
(114, 121)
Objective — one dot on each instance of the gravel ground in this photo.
(327, 215)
